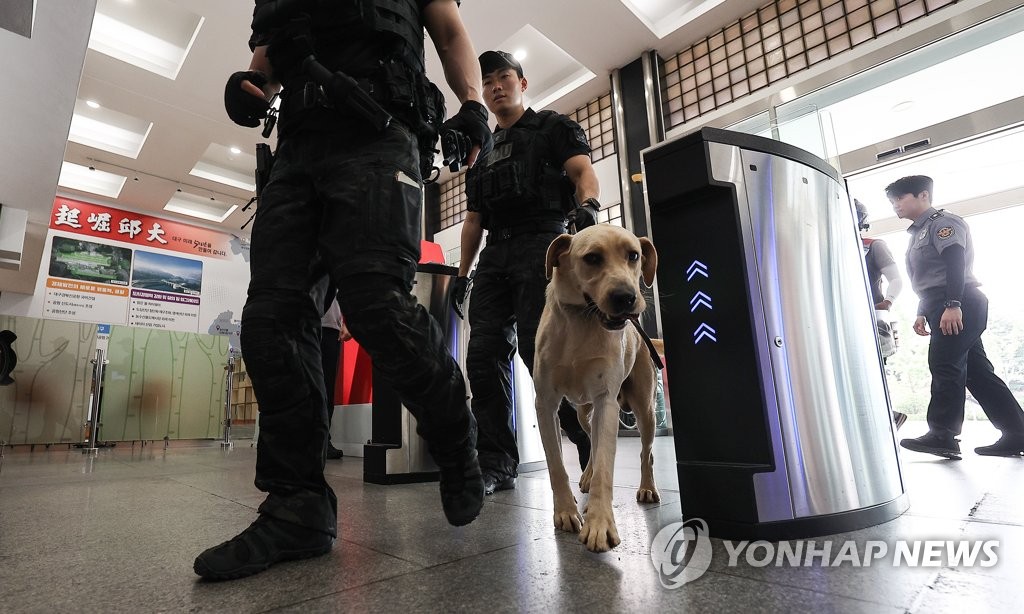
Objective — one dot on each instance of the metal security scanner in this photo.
(397, 454)
(781, 412)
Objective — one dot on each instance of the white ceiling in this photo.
(565, 41)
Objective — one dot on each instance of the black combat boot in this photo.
(267, 541)
(493, 481)
(462, 484)
(932, 443)
(1010, 444)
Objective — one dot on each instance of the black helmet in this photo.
(862, 215)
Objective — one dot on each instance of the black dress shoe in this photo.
(493, 482)
(1010, 444)
(461, 483)
(334, 453)
(930, 443)
(267, 541)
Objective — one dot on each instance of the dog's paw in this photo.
(599, 533)
(585, 480)
(648, 495)
(568, 520)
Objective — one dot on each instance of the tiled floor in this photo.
(119, 533)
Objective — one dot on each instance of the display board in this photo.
(107, 265)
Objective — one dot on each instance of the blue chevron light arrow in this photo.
(697, 267)
(700, 299)
(704, 331)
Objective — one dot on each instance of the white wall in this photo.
(608, 178)
(41, 76)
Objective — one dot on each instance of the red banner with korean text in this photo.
(137, 229)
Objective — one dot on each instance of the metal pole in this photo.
(94, 408)
(230, 368)
(619, 119)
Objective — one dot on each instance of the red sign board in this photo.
(137, 229)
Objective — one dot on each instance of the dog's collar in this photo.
(585, 311)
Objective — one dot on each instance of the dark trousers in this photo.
(330, 353)
(958, 363)
(344, 206)
(504, 311)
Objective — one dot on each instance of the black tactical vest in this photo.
(377, 42)
(518, 180)
(341, 28)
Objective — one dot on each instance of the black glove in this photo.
(471, 120)
(460, 288)
(244, 108)
(583, 216)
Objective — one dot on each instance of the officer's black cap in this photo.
(491, 61)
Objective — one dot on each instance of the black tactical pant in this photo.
(348, 205)
(505, 308)
(330, 354)
(959, 363)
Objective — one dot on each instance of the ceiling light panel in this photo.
(220, 164)
(108, 130)
(663, 17)
(974, 169)
(202, 207)
(77, 177)
(154, 35)
(550, 72)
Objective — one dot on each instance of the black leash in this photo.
(647, 340)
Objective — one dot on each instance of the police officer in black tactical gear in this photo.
(343, 203)
(522, 193)
(940, 257)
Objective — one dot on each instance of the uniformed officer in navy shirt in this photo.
(940, 257)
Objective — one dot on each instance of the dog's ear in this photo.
(558, 247)
(649, 263)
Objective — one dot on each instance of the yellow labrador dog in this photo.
(588, 354)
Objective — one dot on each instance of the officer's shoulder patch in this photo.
(581, 136)
(945, 232)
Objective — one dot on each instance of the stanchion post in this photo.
(230, 369)
(94, 407)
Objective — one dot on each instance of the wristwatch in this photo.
(951, 303)
(591, 202)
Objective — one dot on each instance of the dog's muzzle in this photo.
(609, 322)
